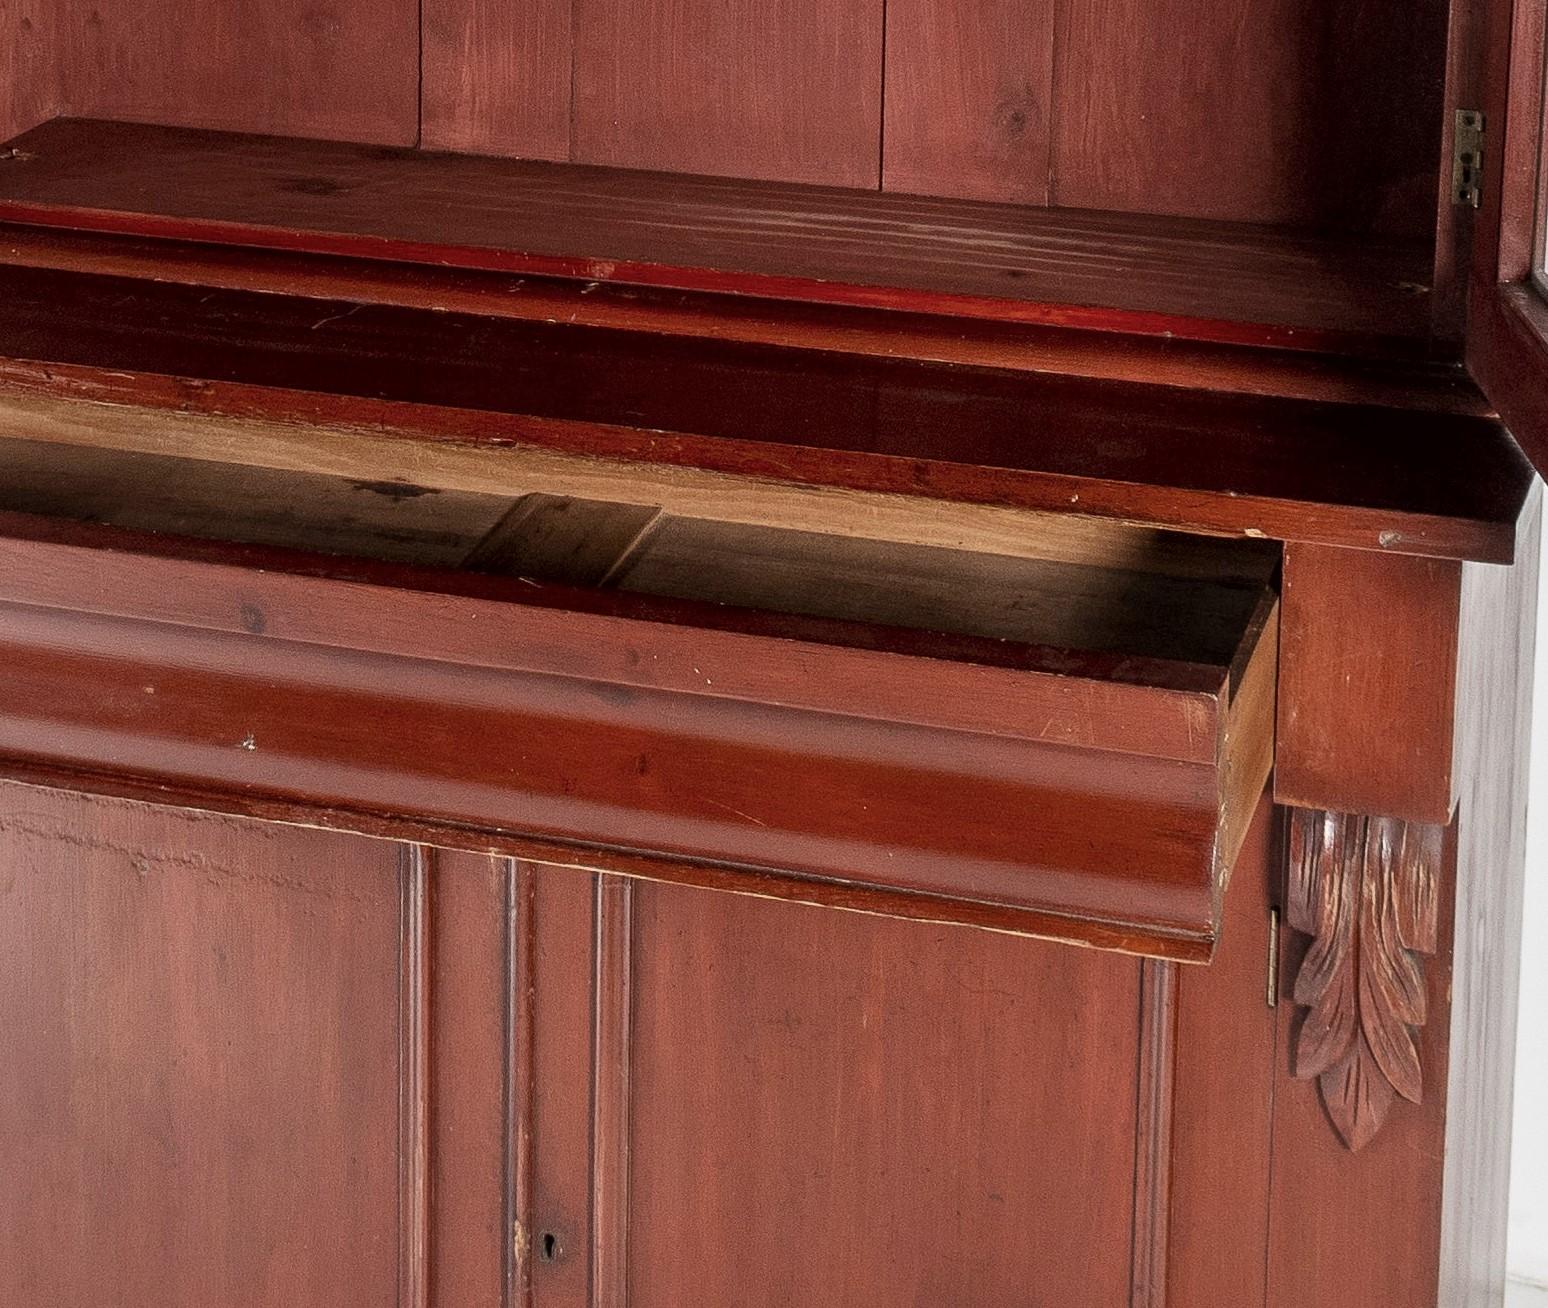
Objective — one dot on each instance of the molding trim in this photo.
(415, 869)
(1366, 890)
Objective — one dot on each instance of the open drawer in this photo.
(1064, 736)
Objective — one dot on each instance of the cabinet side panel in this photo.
(199, 1059)
(968, 98)
(1254, 110)
(788, 90)
(1223, 1098)
(1494, 705)
(829, 1108)
(1361, 1226)
(497, 77)
(345, 70)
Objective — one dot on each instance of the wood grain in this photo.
(564, 539)
(1223, 1098)
(556, 941)
(1235, 111)
(1494, 709)
(1342, 474)
(468, 1059)
(1127, 864)
(1419, 385)
(200, 1059)
(29, 65)
(612, 1094)
(344, 69)
(1212, 281)
(1366, 707)
(1507, 351)
(829, 1109)
(1375, 1227)
(968, 98)
(1367, 891)
(1361, 1227)
(780, 89)
(497, 77)
(257, 506)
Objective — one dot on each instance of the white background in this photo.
(1529, 1171)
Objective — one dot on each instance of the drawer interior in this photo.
(1038, 723)
(1071, 585)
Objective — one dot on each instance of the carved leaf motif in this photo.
(1366, 891)
(1357, 1097)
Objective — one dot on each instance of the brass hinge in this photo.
(1272, 993)
(1467, 159)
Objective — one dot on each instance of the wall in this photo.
(1529, 1180)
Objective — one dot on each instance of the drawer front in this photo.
(1100, 804)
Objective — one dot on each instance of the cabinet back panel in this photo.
(345, 69)
(788, 90)
(497, 77)
(1317, 114)
(969, 109)
(1327, 115)
(28, 73)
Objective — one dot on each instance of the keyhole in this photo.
(548, 1247)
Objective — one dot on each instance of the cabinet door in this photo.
(1507, 326)
(216, 1069)
(253, 1064)
(788, 1105)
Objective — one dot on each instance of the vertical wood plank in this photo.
(1224, 1097)
(612, 1034)
(556, 942)
(780, 89)
(969, 86)
(1256, 110)
(337, 69)
(497, 77)
(469, 1084)
(199, 1056)
(29, 71)
(829, 1108)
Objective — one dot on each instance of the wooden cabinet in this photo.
(325, 1068)
(764, 654)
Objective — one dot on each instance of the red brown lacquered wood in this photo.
(928, 770)
(1348, 474)
(1367, 891)
(1174, 277)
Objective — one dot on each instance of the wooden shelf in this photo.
(270, 370)
(1119, 272)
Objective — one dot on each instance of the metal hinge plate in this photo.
(1467, 159)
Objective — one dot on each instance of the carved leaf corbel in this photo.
(1365, 889)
